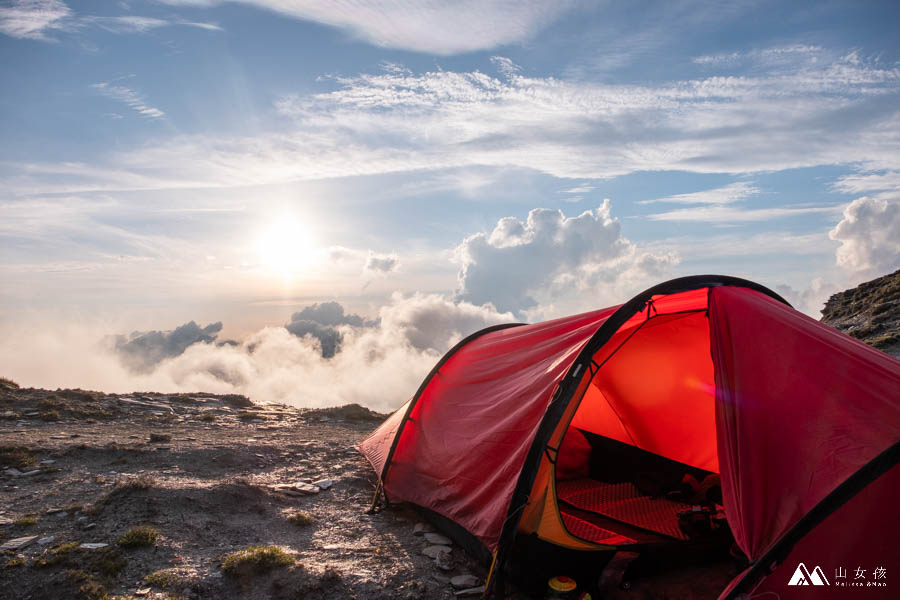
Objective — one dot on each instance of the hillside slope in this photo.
(869, 312)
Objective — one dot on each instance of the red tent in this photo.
(707, 374)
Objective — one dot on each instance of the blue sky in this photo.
(172, 160)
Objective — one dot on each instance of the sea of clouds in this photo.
(544, 266)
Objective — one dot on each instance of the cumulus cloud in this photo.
(379, 365)
(810, 300)
(322, 322)
(141, 351)
(550, 255)
(435, 27)
(869, 233)
(381, 264)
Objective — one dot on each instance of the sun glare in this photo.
(285, 246)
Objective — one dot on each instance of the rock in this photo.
(160, 437)
(81, 519)
(89, 526)
(18, 543)
(142, 592)
(93, 546)
(436, 538)
(59, 437)
(323, 484)
(300, 487)
(444, 561)
(422, 528)
(470, 592)
(62, 514)
(46, 540)
(53, 510)
(48, 461)
(13, 472)
(462, 582)
(435, 551)
(5, 521)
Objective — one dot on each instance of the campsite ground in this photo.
(203, 472)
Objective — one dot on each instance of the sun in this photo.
(285, 246)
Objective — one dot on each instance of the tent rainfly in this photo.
(544, 430)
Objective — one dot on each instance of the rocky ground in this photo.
(196, 496)
(869, 312)
(194, 479)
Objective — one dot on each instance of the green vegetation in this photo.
(300, 518)
(138, 537)
(26, 521)
(207, 417)
(254, 560)
(8, 384)
(246, 415)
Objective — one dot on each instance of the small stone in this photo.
(5, 521)
(462, 582)
(422, 528)
(48, 461)
(89, 526)
(444, 562)
(142, 592)
(306, 488)
(435, 551)
(13, 472)
(323, 484)
(46, 540)
(93, 546)
(18, 543)
(436, 538)
(470, 592)
(60, 437)
(53, 510)
(81, 519)
(62, 514)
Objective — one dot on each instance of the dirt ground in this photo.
(203, 477)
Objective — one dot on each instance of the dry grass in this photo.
(300, 518)
(16, 456)
(256, 559)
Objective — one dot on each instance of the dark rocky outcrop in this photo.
(869, 312)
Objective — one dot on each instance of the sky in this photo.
(310, 202)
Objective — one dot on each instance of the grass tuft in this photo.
(16, 456)
(167, 578)
(300, 518)
(138, 537)
(15, 562)
(254, 560)
(26, 521)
